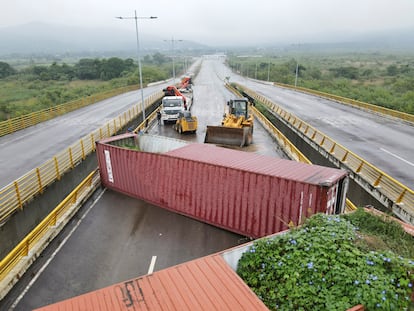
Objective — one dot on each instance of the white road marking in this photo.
(43, 268)
(398, 157)
(152, 265)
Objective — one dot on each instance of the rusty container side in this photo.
(244, 193)
(207, 283)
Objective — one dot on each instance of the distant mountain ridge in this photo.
(39, 37)
(42, 38)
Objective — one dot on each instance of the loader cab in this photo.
(238, 107)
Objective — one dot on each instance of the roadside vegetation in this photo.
(36, 87)
(334, 262)
(380, 79)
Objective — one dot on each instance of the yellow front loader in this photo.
(236, 127)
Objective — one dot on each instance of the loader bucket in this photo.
(228, 135)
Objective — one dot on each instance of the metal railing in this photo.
(17, 193)
(15, 124)
(355, 103)
(386, 189)
(19, 259)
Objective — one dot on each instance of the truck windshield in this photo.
(172, 103)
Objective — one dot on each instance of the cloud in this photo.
(224, 21)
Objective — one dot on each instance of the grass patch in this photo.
(381, 233)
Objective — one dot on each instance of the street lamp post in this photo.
(173, 54)
(268, 72)
(138, 55)
(296, 75)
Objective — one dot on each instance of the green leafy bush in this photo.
(320, 266)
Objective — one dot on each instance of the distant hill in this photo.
(45, 38)
(42, 38)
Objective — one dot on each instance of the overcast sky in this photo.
(221, 21)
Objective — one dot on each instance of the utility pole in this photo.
(268, 72)
(296, 77)
(255, 73)
(173, 54)
(138, 55)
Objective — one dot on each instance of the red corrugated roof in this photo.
(207, 284)
(286, 169)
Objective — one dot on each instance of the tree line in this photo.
(380, 80)
(84, 69)
(37, 87)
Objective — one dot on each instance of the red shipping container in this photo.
(246, 193)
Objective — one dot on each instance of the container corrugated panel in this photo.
(246, 193)
(256, 163)
(207, 284)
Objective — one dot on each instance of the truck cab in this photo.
(171, 107)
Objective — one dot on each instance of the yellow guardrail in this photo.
(13, 265)
(22, 122)
(283, 142)
(356, 103)
(16, 194)
(401, 196)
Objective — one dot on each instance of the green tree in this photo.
(88, 69)
(6, 70)
(392, 70)
(111, 68)
(160, 59)
(346, 72)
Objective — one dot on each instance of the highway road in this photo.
(384, 142)
(210, 98)
(24, 150)
(115, 237)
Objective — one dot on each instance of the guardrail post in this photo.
(19, 200)
(93, 142)
(358, 170)
(331, 151)
(57, 168)
(10, 126)
(108, 130)
(26, 248)
(70, 157)
(345, 156)
(39, 180)
(100, 133)
(377, 182)
(399, 200)
(83, 150)
(54, 219)
(74, 197)
(323, 141)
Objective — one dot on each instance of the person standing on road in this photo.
(159, 117)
